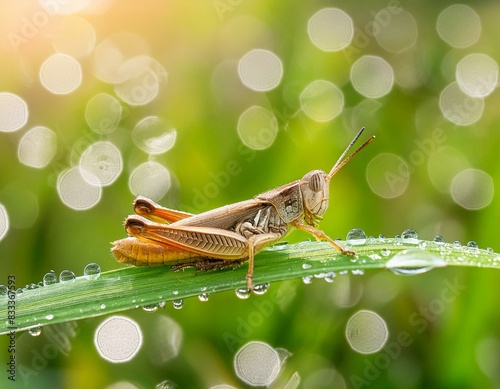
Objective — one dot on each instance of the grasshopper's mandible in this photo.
(231, 234)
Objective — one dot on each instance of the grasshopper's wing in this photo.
(226, 217)
(155, 212)
(205, 241)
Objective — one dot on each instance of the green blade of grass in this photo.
(131, 287)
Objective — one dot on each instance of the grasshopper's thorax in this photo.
(315, 193)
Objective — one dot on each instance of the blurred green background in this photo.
(433, 167)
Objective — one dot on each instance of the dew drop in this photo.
(381, 238)
(385, 252)
(243, 293)
(3, 290)
(35, 331)
(473, 247)
(175, 292)
(409, 236)
(356, 237)
(439, 240)
(92, 271)
(102, 306)
(67, 277)
(457, 244)
(150, 308)
(330, 277)
(261, 288)
(49, 278)
(203, 297)
(414, 261)
(306, 266)
(490, 250)
(178, 304)
(307, 280)
(162, 304)
(344, 272)
(422, 244)
(358, 272)
(49, 316)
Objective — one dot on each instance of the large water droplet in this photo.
(473, 247)
(330, 276)
(67, 277)
(92, 271)
(178, 304)
(35, 331)
(261, 289)
(414, 261)
(439, 240)
(150, 308)
(243, 293)
(49, 278)
(356, 237)
(203, 297)
(409, 236)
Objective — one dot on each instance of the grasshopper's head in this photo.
(315, 192)
(315, 184)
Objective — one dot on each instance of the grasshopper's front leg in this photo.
(319, 235)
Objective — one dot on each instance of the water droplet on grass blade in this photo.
(261, 289)
(35, 331)
(385, 252)
(307, 280)
(49, 278)
(203, 297)
(414, 261)
(409, 236)
(473, 247)
(92, 271)
(243, 293)
(356, 237)
(151, 308)
(49, 316)
(330, 277)
(67, 277)
(178, 304)
(3, 290)
(439, 240)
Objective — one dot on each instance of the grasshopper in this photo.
(231, 234)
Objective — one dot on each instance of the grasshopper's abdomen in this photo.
(142, 253)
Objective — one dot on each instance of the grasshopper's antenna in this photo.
(341, 161)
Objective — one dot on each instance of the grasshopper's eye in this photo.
(316, 182)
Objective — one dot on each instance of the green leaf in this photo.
(133, 287)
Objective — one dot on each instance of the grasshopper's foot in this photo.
(348, 252)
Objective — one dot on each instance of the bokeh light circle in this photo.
(154, 135)
(257, 128)
(331, 29)
(103, 113)
(458, 107)
(322, 101)
(372, 76)
(477, 75)
(61, 74)
(76, 192)
(118, 339)
(260, 70)
(37, 147)
(472, 189)
(151, 180)
(13, 112)
(366, 332)
(459, 26)
(388, 175)
(257, 363)
(102, 161)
